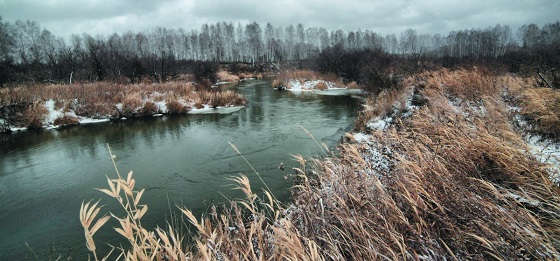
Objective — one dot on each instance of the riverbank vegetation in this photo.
(307, 80)
(450, 174)
(40, 106)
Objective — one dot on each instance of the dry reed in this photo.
(457, 183)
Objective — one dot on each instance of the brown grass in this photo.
(446, 183)
(66, 120)
(149, 108)
(34, 115)
(99, 100)
(225, 76)
(541, 107)
(321, 86)
(175, 107)
(131, 103)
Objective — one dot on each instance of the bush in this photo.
(131, 104)
(66, 120)
(175, 107)
(321, 86)
(149, 108)
(34, 115)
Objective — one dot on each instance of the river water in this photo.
(180, 160)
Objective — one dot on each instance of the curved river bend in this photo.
(180, 160)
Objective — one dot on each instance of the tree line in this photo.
(29, 52)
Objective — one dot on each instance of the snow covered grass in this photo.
(541, 109)
(453, 156)
(102, 101)
(298, 81)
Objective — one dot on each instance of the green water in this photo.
(180, 160)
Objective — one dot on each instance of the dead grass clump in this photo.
(94, 110)
(453, 192)
(66, 120)
(132, 103)
(34, 115)
(467, 84)
(277, 84)
(198, 105)
(219, 99)
(225, 76)
(321, 86)
(176, 107)
(149, 108)
(541, 107)
(386, 103)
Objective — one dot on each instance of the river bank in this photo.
(302, 81)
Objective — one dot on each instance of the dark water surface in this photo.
(180, 160)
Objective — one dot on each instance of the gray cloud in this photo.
(65, 17)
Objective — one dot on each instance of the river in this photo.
(180, 160)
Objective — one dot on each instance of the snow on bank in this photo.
(378, 157)
(399, 110)
(53, 114)
(218, 110)
(544, 150)
(332, 89)
(547, 152)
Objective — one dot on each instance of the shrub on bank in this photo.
(175, 107)
(34, 115)
(66, 120)
(149, 108)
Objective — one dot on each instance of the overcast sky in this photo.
(65, 17)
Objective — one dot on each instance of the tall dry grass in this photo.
(225, 76)
(541, 108)
(448, 182)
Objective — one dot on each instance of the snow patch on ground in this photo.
(53, 114)
(379, 123)
(547, 152)
(361, 137)
(218, 110)
(399, 110)
(298, 86)
(162, 106)
(374, 154)
(544, 150)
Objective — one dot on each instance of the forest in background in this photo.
(30, 53)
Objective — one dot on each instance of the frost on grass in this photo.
(545, 150)
(320, 87)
